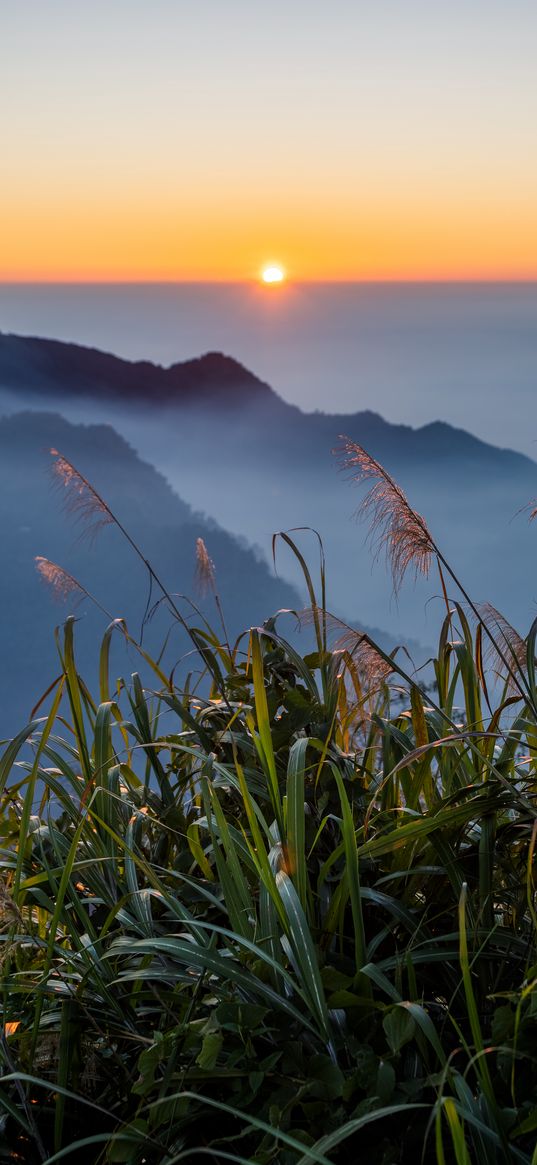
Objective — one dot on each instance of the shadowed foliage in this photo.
(284, 916)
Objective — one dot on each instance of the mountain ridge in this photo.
(40, 365)
(33, 523)
(67, 367)
(257, 464)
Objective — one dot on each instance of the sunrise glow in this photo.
(273, 274)
(183, 179)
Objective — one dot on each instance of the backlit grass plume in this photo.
(205, 571)
(373, 665)
(84, 502)
(64, 585)
(61, 583)
(297, 887)
(395, 528)
(80, 497)
(403, 535)
(514, 647)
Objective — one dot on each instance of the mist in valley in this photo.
(243, 458)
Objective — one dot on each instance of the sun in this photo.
(273, 274)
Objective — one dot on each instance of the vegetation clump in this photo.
(285, 914)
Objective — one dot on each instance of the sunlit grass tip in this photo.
(395, 528)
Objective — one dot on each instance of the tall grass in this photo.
(289, 917)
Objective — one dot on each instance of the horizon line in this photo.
(252, 281)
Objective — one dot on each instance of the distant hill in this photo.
(49, 366)
(33, 522)
(234, 449)
(33, 367)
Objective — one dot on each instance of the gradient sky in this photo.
(199, 139)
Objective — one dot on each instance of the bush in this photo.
(286, 917)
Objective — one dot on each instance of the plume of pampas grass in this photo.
(83, 501)
(403, 535)
(61, 583)
(205, 581)
(205, 571)
(80, 497)
(513, 646)
(395, 528)
(373, 666)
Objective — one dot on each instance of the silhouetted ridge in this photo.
(40, 365)
(234, 449)
(213, 382)
(215, 371)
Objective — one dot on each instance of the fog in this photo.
(255, 475)
(463, 353)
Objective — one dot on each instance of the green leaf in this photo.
(120, 1148)
(503, 1024)
(399, 1027)
(210, 1050)
(353, 880)
(296, 819)
(385, 1082)
(528, 1125)
(241, 1016)
(305, 952)
(264, 741)
(354, 1126)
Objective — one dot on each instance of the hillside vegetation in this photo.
(230, 446)
(288, 921)
(32, 522)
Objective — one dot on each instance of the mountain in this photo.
(33, 522)
(49, 366)
(43, 367)
(234, 449)
(31, 367)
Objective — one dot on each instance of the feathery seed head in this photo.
(205, 571)
(61, 583)
(511, 645)
(395, 527)
(373, 667)
(80, 497)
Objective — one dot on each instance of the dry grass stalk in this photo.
(371, 664)
(395, 527)
(512, 647)
(84, 502)
(205, 570)
(61, 583)
(80, 497)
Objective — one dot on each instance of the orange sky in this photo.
(170, 142)
(80, 242)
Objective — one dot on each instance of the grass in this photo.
(288, 917)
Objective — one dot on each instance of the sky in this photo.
(201, 139)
